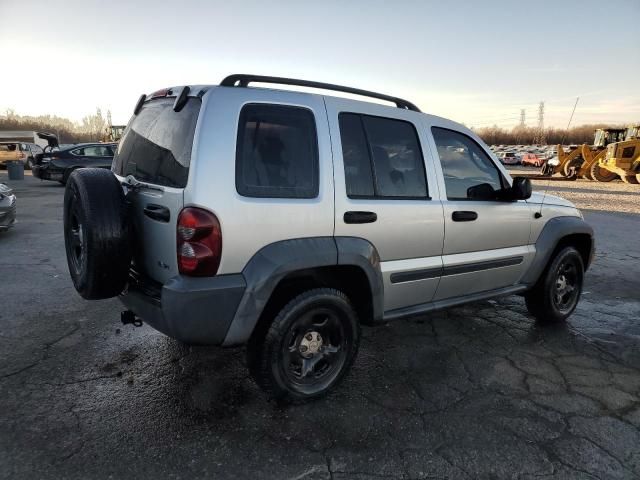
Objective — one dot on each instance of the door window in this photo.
(464, 164)
(277, 152)
(382, 158)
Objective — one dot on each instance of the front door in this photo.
(382, 194)
(486, 243)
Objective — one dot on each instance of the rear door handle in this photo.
(464, 216)
(157, 212)
(360, 217)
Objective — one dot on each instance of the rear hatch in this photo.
(154, 154)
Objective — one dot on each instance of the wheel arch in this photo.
(282, 270)
(560, 232)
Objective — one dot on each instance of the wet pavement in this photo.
(480, 391)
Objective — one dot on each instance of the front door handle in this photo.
(464, 216)
(157, 212)
(360, 217)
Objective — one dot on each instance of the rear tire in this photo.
(308, 348)
(556, 294)
(632, 179)
(96, 233)
(600, 174)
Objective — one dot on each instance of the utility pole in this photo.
(522, 118)
(540, 138)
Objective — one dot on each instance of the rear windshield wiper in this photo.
(134, 184)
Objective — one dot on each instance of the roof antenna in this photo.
(539, 212)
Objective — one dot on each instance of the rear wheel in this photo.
(96, 233)
(600, 174)
(633, 179)
(308, 348)
(556, 294)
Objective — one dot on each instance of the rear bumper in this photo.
(45, 172)
(192, 310)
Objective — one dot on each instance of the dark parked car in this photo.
(57, 165)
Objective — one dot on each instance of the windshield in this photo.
(632, 132)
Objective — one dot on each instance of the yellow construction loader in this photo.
(623, 158)
(591, 155)
(579, 160)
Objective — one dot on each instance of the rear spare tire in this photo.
(96, 233)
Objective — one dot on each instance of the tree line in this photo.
(528, 135)
(92, 128)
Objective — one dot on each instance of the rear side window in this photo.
(156, 146)
(277, 152)
(382, 158)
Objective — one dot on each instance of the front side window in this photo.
(382, 158)
(277, 152)
(464, 164)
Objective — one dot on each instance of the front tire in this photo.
(308, 348)
(600, 174)
(556, 294)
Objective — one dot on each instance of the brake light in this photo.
(199, 242)
(160, 93)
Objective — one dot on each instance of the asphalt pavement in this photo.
(480, 391)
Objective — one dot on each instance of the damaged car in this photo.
(7, 207)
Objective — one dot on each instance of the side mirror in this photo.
(482, 191)
(520, 189)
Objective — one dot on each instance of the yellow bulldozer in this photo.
(583, 161)
(623, 158)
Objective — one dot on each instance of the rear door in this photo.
(155, 152)
(384, 194)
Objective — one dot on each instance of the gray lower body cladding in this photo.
(197, 311)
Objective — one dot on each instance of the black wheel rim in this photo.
(567, 286)
(314, 350)
(75, 238)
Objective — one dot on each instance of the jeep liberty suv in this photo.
(285, 220)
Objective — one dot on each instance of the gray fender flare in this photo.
(554, 230)
(273, 262)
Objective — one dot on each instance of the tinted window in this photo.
(464, 163)
(156, 146)
(355, 154)
(382, 157)
(277, 152)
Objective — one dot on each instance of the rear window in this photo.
(156, 146)
(8, 147)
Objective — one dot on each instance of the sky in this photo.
(476, 62)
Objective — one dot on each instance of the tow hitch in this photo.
(128, 317)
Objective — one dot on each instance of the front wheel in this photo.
(600, 174)
(556, 294)
(308, 348)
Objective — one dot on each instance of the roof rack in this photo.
(243, 80)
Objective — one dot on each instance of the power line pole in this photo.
(540, 138)
(522, 118)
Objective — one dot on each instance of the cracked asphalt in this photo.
(480, 391)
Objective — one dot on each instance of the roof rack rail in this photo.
(243, 80)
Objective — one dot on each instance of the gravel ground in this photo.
(615, 196)
(478, 392)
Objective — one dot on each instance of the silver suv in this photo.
(286, 220)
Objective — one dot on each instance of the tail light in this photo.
(199, 242)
